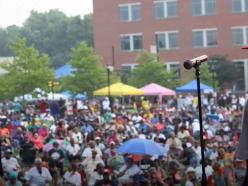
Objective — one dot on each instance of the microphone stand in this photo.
(197, 74)
(1, 166)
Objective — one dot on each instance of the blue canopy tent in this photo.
(192, 87)
(81, 96)
(63, 71)
(67, 94)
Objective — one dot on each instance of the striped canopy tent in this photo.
(119, 89)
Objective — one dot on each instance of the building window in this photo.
(127, 67)
(165, 9)
(203, 7)
(240, 36)
(204, 38)
(240, 80)
(131, 42)
(173, 67)
(129, 12)
(239, 6)
(167, 40)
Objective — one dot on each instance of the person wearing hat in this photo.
(191, 179)
(12, 180)
(38, 175)
(9, 163)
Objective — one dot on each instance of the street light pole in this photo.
(108, 71)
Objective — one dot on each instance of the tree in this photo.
(224, 70)
(28, 71)
(88, 74)
(207, 76)
(56, 34)
(149, 70)
(7, 36)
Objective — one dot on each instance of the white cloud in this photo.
(17, 11)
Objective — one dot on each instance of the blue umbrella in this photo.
(141, 146)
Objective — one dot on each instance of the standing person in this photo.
(73, 150)
(106, 104)
(56, 158)
(242, 150)
(38, 175)
(28, 151)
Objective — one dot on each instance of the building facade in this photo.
(181, 29)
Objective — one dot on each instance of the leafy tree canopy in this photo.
(224, 70)
(149, 70)
(88, 74)
(52, 33)
(28, 71)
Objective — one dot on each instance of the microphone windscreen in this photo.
(188, 64)
(245, 47)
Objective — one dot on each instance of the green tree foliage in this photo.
(149, 70)
(56, 34)
(7, 36)
(207, 76)
(88, 74)
(28, 71)
(224, 70)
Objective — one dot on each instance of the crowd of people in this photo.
(75, 142)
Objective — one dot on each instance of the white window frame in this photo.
(203, 8)
(245, 61)
(129, 65)
(166, 33)
(204, 30)
(244, 30)
(131, 41)
(165, 16)
(168, 65)
(242, 7)
(129, 5)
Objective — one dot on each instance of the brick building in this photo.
(181, 29)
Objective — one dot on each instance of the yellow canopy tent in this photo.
(119, 89)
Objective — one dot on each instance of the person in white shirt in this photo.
(127, 172)
(38, 175)
(9, 163)
(72, 176)
(77, 136)
(196, 127)
(73, 150)
(88, 150)
(97, 175)
(100, 145)
(106, 104)
(91, 162)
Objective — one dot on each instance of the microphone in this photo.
(244, 47)
(188, 64)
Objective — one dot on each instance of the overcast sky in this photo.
(16, 11)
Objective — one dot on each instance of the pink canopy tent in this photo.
(154, 89)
